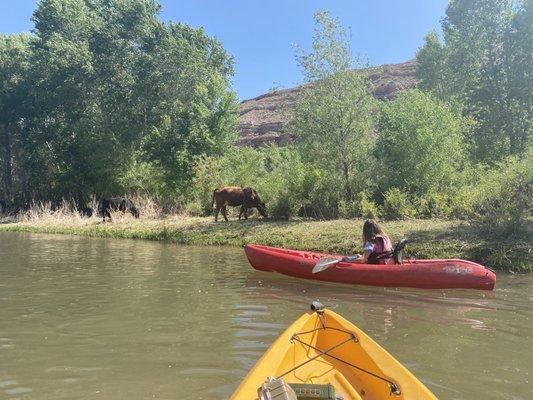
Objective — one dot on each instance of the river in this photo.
(89, 318)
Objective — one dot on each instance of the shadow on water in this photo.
(367, 300)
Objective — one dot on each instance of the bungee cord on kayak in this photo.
(352, 337)
(394, 387)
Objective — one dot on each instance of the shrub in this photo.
(504, 196)
(348, 209)
(462, 203)
(324, 194)
(396, 205)
(141, 177)
(367, 208)
(281, 208)
(420, 144)
(360, 207)
(434, 205)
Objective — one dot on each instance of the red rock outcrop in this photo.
(262, 120)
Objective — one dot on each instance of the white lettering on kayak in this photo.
(457, 269)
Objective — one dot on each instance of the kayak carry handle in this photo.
(318, 307)
(394, 389)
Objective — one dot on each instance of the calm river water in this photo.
(86, 318)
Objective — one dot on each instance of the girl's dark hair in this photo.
(370, 230)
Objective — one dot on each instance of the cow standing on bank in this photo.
(234, 196)
(118, 204)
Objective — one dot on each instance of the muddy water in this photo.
(84, 318)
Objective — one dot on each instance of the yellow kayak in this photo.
(324, 356)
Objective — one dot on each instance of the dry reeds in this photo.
(67, 212)
(148, 207)
(44, 212)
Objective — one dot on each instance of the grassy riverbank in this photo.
(430, 238)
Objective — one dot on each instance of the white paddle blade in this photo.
(324, 263)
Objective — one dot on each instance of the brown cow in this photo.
(237, 196)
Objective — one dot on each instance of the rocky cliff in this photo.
(262, 120)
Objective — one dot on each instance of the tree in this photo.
(519, 64)
(333, 117)
(109, 85)
(198, 114)
(484, 64)
(331, 49)
(420, 145)
(85, 122)
(14, 53)
(431, 67)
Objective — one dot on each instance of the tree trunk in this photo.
(512, 141)
(346, 174)
(7, 167)
(523, 141)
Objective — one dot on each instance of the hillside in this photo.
(262, 119)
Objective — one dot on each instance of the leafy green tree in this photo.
(420, 145)
(198, 116)
(14, 54)
(110, 86)
(331, 49)
(85, 123)
(484, 64)
(333, 117)
(519, 69)
(432, 68)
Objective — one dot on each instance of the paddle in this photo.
(326, 262)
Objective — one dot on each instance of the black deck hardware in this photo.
(318, 307)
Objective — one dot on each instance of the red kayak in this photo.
(426, 274)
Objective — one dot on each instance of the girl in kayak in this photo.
(376, 244)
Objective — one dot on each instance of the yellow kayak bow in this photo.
(324, 356)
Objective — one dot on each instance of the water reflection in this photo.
(89, 317)
(391, 305)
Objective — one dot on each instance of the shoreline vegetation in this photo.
(430, 238)
(145, 108)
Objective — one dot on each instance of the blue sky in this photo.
(261, 34)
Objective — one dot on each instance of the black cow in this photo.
(86, 212)
(118, 204)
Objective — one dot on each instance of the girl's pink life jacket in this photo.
(382, 246)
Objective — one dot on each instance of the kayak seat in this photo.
(396, 254)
